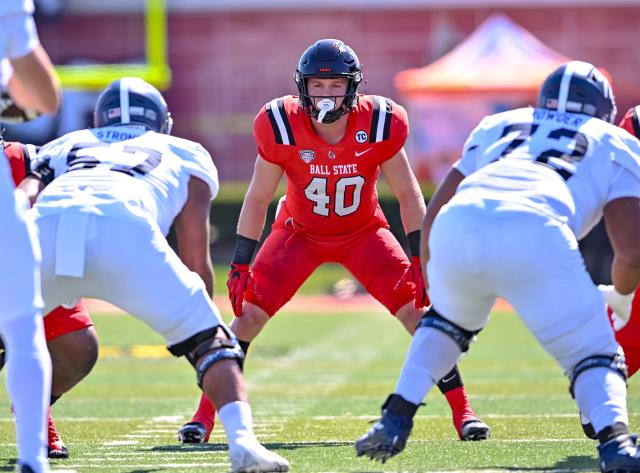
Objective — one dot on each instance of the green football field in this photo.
(316, 381)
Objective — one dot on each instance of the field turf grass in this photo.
(315, 381)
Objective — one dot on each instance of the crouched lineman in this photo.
(70, 335)
(112, 194)
(624, 309)
(529, 184)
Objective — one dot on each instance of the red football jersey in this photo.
(631, 121)
(19, 156)
(331, 189)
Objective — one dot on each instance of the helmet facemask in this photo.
(323, 107)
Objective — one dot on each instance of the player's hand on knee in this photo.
(238, 280)
(414, 278)
(619, 304)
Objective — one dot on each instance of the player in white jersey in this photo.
(530, 182)
(26, 72)
(29, 366)
(115, 191)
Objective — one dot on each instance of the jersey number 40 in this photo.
(316, 192)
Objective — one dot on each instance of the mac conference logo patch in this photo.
(307, 155)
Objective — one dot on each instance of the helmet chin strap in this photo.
(324, 105)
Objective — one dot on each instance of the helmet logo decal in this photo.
(564, 87)
(325, 105)
(361, 136)
(307, 155)
(113, 112)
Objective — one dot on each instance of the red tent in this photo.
(498, 67)
(499, 56)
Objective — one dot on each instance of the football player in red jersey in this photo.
(71, 337)
(331, 143)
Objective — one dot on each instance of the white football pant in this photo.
(481, 250)
(28, 363)
(127, 263)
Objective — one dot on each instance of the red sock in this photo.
(206, 413)
(460, 407)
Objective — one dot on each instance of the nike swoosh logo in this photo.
(446, 380)
(360, 153)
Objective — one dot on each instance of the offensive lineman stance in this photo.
(529, 184)
(113, 193)
(627, 329)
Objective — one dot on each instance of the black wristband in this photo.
(245, 247)
(414, 242)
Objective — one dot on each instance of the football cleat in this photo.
(386, 438)
(249, 456)
(26, 469)
(193, 432)
(619, 455)
(55, 446)
(474, 429)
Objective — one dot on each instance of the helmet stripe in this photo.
(564, 86)
(125, 117)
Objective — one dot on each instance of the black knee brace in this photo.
(615, 363)
(459, 335)
(206, 348)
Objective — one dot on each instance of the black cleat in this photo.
(55, 446)
(619, 455)
(193, 432)
(26, 469)
(386, 438)
(475, 429)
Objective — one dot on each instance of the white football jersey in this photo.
(566, 165)
(121, 172)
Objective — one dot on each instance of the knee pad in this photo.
(459, 335)
(615, 363)
(208, 347)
